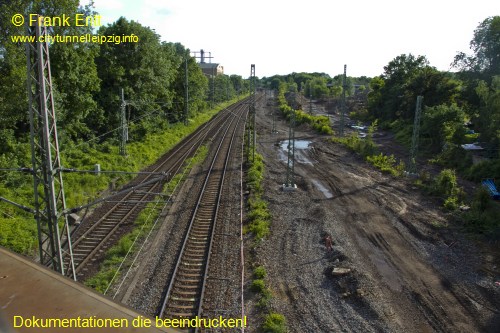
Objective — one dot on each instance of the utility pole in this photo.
(252, 135)
(310, 98)
(186, 89)
(274, 131)
(213, 87)
(412, 163)
(343, 103)
(123, 126)
(50, 203)
(290, 168)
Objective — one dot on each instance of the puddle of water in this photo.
(326, 192)
(299, 144)
(301, 147)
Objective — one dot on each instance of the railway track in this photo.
(184, 294)
(101, 232)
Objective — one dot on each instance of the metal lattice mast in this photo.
(252, 141)
(310, 98)
(412, 163)
(52, 224)
(254, 127)
(274, 131)
(290, 168)
(343, 103)
(186, 95)
(123, 126)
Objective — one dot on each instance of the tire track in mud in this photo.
(381, 229)
(396, 264)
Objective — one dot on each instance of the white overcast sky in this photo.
(281, 37)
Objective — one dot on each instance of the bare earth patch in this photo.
(399, 273)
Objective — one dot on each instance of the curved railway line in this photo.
(184, 295)
(101, 231)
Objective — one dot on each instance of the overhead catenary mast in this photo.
(343, 103)
(50, 203)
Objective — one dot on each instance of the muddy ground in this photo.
(408, 271)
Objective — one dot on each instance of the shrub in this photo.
(258, 285)
(482, 200)
(455, 157)
(387, 164)
(445, 183)
(259, 272)
(274, 323)
(260, 228)
(446, 186)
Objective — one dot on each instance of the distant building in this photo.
(209, 69)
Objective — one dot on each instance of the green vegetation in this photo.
(259, 286)
(87, 80)
(18, 228)
(459, 108)
(368, 150)
(274, 323)
(483, 216)
(259, 221)
(319, 123)
(259, 272)
(387, 164)
(259, 218)
(128, 244)
(445, 185)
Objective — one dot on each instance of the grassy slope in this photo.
(18, 228)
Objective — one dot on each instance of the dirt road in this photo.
(404, 276)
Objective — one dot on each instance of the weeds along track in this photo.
(116, 216)
(184, 295)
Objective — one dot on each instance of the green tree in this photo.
(442, 125)
(486, 47)
(488, 117)
(197, 84)
(75, 78)
(73, 71)
(145, 70)
(394, 93)
(397, 76)
(317, 88)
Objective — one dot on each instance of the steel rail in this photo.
(198, 280)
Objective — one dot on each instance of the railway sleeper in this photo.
(198, 247)
(182, 285)
(191, 259)
(191, 269)
(194, 251)
(195, 254)
(180, 315)
(186, 293)
(192, 242)
(187, 263)
(184, 280)
(184, 299)
(201, 229)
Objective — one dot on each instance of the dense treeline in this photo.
(461, 107)
(317, 85)
(88, 78)
(87, 82)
